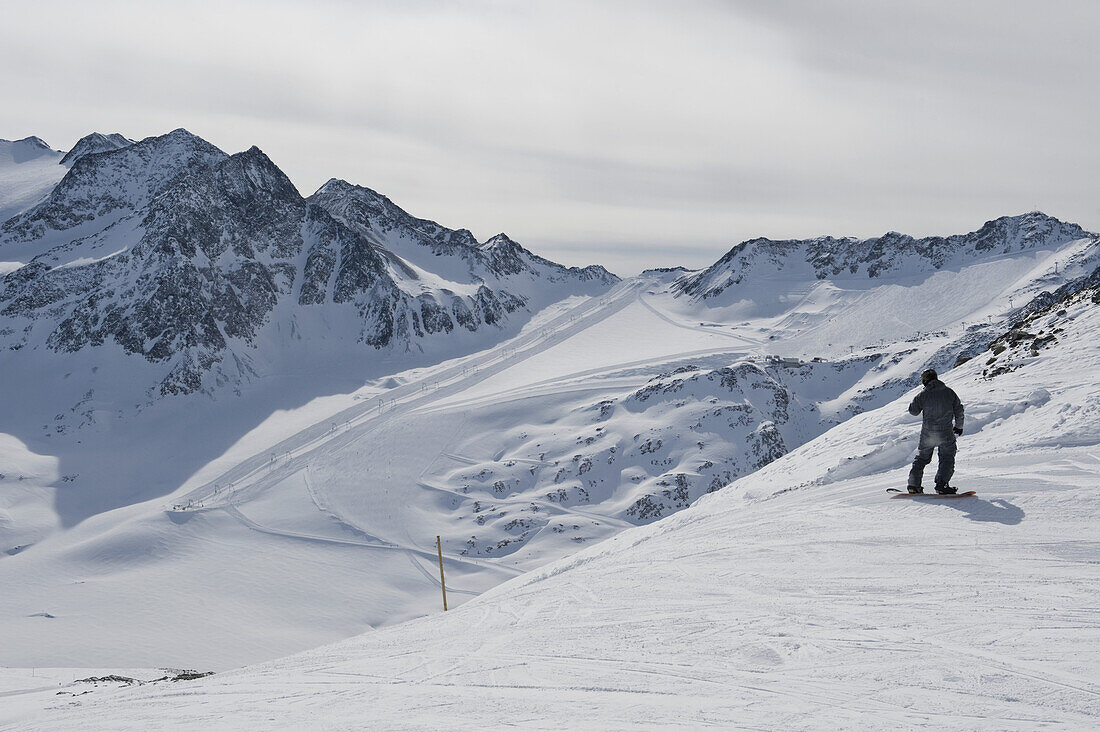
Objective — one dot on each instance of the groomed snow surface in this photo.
(799, 597)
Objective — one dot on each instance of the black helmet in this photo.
(928, 376)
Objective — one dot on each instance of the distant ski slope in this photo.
(801, 596)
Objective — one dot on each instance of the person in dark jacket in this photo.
(943, 422)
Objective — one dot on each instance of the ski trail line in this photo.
(710, 331)
(416, 394)
(234, 512)
(254, 475)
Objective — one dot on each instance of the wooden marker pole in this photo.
(442, 582)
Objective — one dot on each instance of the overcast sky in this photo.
(633, 134)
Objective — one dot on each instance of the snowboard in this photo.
(906, 494)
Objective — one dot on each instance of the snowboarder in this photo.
(943, 422)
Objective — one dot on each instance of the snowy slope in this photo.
(801, 596)
(173, 310)
(302, 520)
(28, 172)
(379, 473)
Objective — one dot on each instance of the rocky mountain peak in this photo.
(828, 256)
(500, 241)
(95, 143)
(358, 201)
(112, 183)
(1025, 231)
(262, 173)
(336, 185)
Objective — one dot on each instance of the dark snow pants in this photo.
(944, 470)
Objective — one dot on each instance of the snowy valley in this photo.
(236, 419)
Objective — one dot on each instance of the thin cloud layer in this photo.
(630, 133)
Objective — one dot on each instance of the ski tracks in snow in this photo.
(412, 552)
(250, 478)
(410, 396)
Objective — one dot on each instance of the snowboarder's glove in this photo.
(958, 430)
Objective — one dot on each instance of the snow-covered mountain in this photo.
(28, 171)
(416, 246)
(828, 297)
(890, 255)
(799, 596)
(96, 142)
(191, 258)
